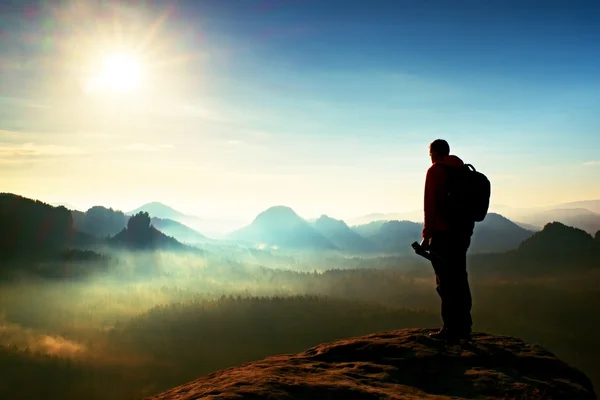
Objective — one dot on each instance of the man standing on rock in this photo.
(447, 236)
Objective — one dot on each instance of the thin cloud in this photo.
(592, 163)
(147, 147)
(37, 150)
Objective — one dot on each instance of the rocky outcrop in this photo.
(403, 364)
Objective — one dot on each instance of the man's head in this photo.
(438, 149)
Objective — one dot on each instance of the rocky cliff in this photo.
(403, 364)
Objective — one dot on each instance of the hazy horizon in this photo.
(502, 209)
(224, 109)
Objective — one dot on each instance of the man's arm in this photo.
(433, 200)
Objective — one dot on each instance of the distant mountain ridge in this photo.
(104, 222)
(280, 226)
(583, 214)
(158, 210)
(557, 242)
(581, 218)
(210, 227)
(546, 252)
(395, 237)
(495, 234)
(31, 228)
(66, 205)
(141, 235)
(413, 216)
(179, 231)
(342, 236)
(369, 229)
(99, 221)
(592, 205)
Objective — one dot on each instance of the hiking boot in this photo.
(449, 335)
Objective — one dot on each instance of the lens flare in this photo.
(122, 73)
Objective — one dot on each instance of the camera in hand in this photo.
(420, 251)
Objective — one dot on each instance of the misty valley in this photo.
(294, 199)
(110, 305)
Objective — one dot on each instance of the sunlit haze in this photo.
(225, 108)
(118, 73)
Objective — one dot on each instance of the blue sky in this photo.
(325, 106)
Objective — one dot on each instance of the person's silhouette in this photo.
(449, 237)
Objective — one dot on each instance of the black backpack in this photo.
(468, 194)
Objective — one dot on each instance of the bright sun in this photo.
(121, 73)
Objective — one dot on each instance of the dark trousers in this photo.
(452, 279)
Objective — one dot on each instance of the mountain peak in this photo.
(140, 234)
(158, 209)
(325, 217)
(327, 220)
(280, 226)
(558, 227)
(157, 203)
(557, 241)
(340, 234)
(500, 220)
(278, 212)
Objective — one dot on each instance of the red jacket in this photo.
(435, 192)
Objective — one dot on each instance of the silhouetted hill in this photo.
(558, 243)
(342, 236)
(100, 221)
(103, 222)
(369, 229)
(280, 226)
(179, 231)
(493, 235)
(396, 236)
(153, 239)
(210, 227)
(557, 248)
(66, 205)
(32, 228)
(399, 364)
(159, 210)
(497, 234)
(141, 235)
